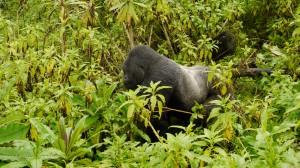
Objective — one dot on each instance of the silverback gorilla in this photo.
(188, 84)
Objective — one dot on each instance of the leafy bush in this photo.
(63, 104)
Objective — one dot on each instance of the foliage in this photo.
(140, 108)
(62, 102)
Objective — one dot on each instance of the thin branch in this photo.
(153, 129)
(250, 72)
(129, 33)
(167, 37)
(150, 37)
(177, 110)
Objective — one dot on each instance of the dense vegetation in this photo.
(63, 104)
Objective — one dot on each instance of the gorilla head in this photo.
(136, 64)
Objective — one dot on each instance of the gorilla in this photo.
(188, 85)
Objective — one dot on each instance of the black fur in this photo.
(226, 43)
(189, 84)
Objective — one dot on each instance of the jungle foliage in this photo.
(63, 104)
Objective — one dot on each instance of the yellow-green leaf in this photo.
(160, 106)
(153, 102)
(201, 54)
(223, 90)
(130, 112)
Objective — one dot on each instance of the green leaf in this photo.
(153, 101)
(264, 119)
(79, 128)
(130, 112)
(223, 90)
(296, 32)
(12, 117)
(163, 87)
(160, 107)
(140, 4)
(12, 132)
(123, 14)
(141, 133)
(210, 76)
(44, 131)
(51, 153)
(117, 7)
(214, 113)
(202, 55)
(13, 153)
(78, 152)
(36, 162)
(16, 164)
(220, 151)
(205, 158)
(162, 98)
